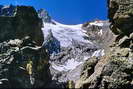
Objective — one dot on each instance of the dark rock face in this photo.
(23, 64)
(25, 22)
(52, 44)
(114, 70)
(8, 10)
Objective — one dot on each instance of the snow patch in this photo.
(97, 23)
(98, 53)
(69, 65)
(100, 32)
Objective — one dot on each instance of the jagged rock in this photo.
(124, 42)
(99, 33)
(52, 44)
(43, 14)
(23, 66)
(120, 15)
(7, 10)
(88, 67)
(111, 72)
(24, 62)
(24, 22)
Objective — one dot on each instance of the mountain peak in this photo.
(43, 14)
(7, 10)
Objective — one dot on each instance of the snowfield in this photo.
(66, 33)
(69, 65)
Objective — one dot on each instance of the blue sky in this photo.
(68, 11)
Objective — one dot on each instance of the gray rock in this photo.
(24, 67)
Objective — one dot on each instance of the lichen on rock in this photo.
(115, 69)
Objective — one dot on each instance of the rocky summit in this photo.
(114, 70)
(22, 21)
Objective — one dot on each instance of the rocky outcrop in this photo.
(43, 14)
(114, 70)
(23, 22)
(24, 63)
(120, 14)
(7, 10)
(51, 43)
(99, 33)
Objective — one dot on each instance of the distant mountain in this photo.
(72, 45)
(43, 14)
(8, 10)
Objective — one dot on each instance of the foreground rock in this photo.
(23, 61)
(114, 70)
(120, 14)
(23, 64)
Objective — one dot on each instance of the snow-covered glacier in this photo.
(66, 34)
(69, 47)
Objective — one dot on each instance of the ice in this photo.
(66, 33)
(69, 65)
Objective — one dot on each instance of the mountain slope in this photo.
(70, 46)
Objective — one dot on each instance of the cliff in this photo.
(23, 61)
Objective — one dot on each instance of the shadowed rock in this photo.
(23, 22)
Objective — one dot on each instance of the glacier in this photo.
(70, 47)
(65, 33)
